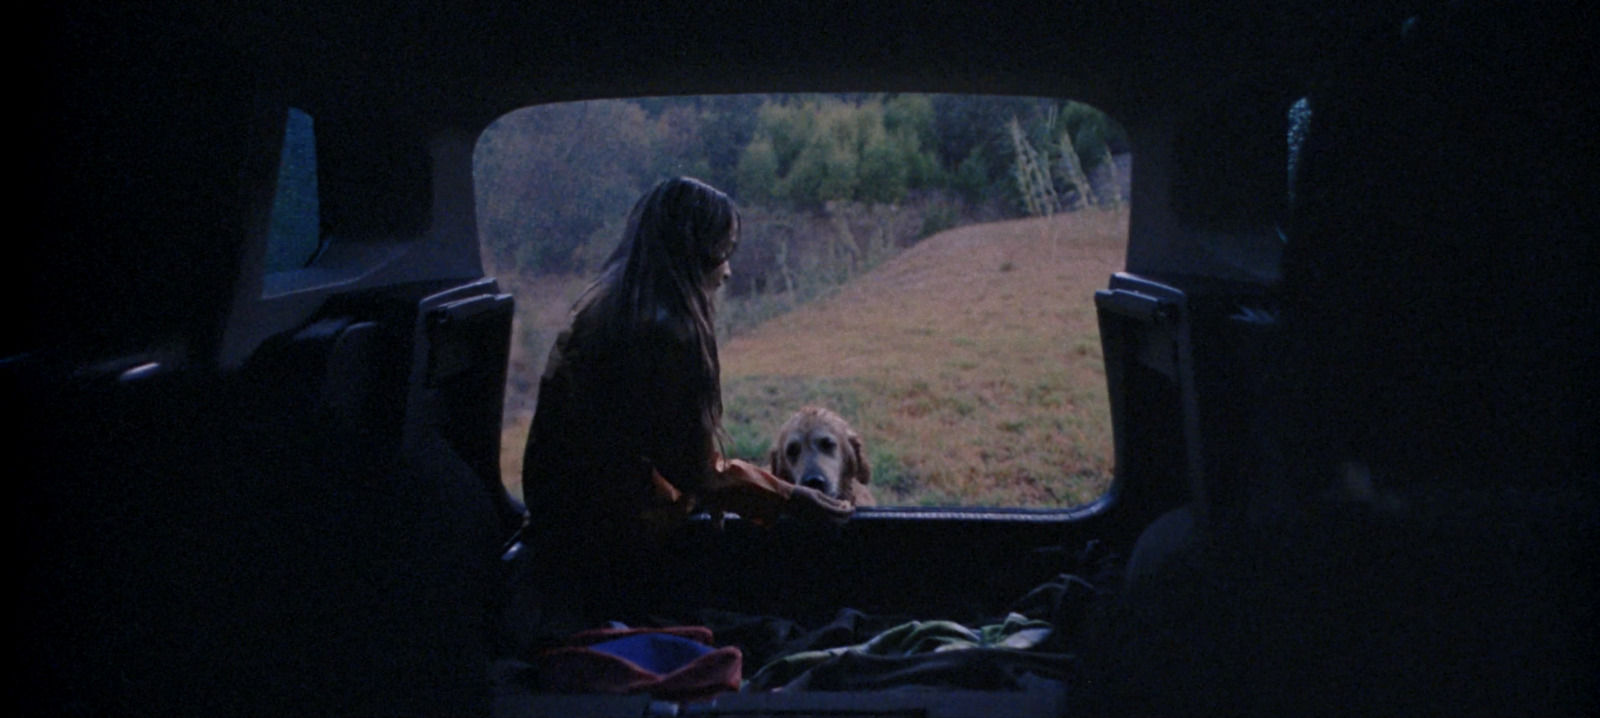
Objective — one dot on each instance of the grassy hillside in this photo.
(970, 364)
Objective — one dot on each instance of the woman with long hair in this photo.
(625, 436)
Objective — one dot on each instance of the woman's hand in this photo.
(809, 503)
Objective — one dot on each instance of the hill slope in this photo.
(970, 364)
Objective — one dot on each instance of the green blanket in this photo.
(1015, 632)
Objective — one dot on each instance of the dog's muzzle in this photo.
(816, 481)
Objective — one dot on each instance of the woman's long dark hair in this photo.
(677, 232)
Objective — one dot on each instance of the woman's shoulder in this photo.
(663, 325)
(651, 329)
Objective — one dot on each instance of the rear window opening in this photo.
(923, 265)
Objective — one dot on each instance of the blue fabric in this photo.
(654, 652)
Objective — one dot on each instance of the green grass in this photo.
(753, 407)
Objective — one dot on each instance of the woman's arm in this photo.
(674, 406)
(683, 451)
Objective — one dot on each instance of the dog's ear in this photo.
(863, 469)
(778, 469)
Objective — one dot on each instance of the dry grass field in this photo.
(970, 364)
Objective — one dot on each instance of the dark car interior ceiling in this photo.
(272, 498)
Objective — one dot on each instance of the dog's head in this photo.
(817, 448)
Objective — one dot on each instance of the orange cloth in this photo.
(737, 487)
(750, 491)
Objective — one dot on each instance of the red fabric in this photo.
(698, 634)
(576, 668)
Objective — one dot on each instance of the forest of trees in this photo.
(833, 178)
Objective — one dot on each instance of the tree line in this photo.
(555, 182)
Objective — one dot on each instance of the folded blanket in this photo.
(676, 663)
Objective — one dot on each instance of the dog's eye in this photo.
(793, 450)
(826, 445)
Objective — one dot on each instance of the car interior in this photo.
(1352, 363)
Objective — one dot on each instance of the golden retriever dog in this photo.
(817, 448)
